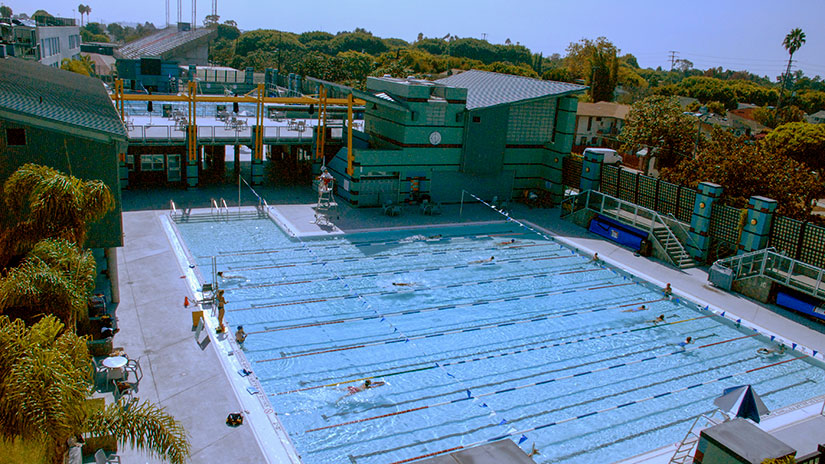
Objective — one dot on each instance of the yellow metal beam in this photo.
(222, 99)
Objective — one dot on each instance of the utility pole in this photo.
(673, 54)
(483, 36)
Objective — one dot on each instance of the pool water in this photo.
(539, 345)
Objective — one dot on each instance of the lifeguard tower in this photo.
(326, 207)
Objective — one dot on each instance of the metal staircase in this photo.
(660, 228)
(777, 267)
(684, 452)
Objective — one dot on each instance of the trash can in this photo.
(646, 248)
(721, 276)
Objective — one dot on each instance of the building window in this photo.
(589, 123)
(16, 137)
(476, 119)
(151, 163)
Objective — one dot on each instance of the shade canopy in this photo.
(742, 401)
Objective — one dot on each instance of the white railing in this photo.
(782, 269)
(174, 211)
(640, 217)
(224, 208)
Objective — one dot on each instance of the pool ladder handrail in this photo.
(263, 207)
(683, 452)
(174, 211)
(214, 210)
(224, 207)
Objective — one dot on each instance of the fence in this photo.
(799, 240)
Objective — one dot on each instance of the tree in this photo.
(658, 124)
(116, 31)
(5, 11)
(357, 66)
(597, 63)
(211, 20)
(745, 170)
(46, 203)
(82, 66)
(683, 65)
(44, 382)
(792, 42)
(801, 141)
(81, 9)
(54, 278)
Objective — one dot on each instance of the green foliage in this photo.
(560, 74)
(776, 117)
(5, 11)
(95, 28)
(89, 37)
(267, 41)
(597, 63)
(357, 41)
(745, 170)
(228, 32)
(81, 66)
(45, 377)
(801, 141)
(48, 204)
(54, 278)
(507, 68)
(322, 66)
(19, 451)
(809, 100)
(716, 108)
(657, 123)
(432, 46)
(729, 93)
(311, 36)
(393, 43)
(357, 66)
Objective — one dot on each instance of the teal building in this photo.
(487, 133)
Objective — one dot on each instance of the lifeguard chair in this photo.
(326, 206)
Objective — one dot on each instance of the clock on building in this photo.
(435, 138)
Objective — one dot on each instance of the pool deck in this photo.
(189, 378)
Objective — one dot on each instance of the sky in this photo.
(733, 34)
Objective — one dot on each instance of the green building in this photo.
(488, 133)
(66, 121)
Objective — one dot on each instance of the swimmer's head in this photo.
(367, 383)
(220, 274)
(661, 316)
(688, 339)
(240, 327)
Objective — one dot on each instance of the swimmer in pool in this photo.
(351, 390)
(685, 343)
(595, 258)
(507, 242)
(482, 261)
(404, 284)
(640, 308)
(659, 319)
(533, 451)
(668, 291)
(225, 276)
(771, 351)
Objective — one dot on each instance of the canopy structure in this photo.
(742, 401)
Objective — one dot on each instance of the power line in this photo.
(673, 54)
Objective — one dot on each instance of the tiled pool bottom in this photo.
(534, 346)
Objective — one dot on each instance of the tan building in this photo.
(598, 124)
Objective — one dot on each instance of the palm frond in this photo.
(144, 426)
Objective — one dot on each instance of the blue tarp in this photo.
(620, 233)
(801, 303)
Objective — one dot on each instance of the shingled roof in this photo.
(51, 94)
(164, 42)
(486, 88)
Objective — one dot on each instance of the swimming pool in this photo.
(539, 345)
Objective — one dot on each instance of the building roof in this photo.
(104, 64)
(603, 109)
(163, 42)
(51, 94)
(486, 88)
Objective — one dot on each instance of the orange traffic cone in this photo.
(186, 301)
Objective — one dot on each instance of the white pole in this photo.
(461, 209)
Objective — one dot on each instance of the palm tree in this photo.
(44, 382)
(49, 204)
(54, 278)
(81, 9)
(793, 42)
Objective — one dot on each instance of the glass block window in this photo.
(610, 180)
(531, 123)
(436, 113)
(687, 199)
(813, 246)
(785, 234)
(668, 194)
(647, 192)
(572, 171)
(627, 186)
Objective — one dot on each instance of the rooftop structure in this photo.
(66, 121)
(485, 89)
(47, 40)
(175, 43)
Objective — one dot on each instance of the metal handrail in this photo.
(224, 207)
(174, 212)
(214, 210)
(681, 226)
(655, 219)
(766, 263)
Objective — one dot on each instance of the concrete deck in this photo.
(189, 378)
